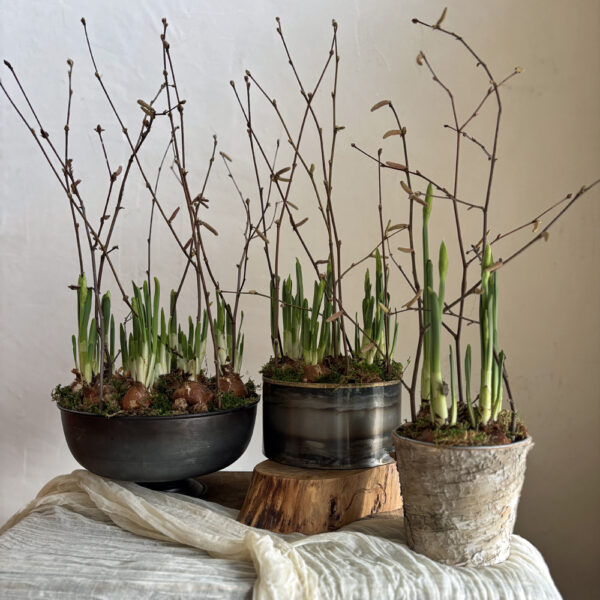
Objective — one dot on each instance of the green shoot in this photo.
(439, 408)
(375, 313)
(146, 354)
(426, 368)
(454, 403)
(486, 330)
(86, 344)
(468, 384)
(223, 327)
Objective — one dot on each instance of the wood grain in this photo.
(289, 499)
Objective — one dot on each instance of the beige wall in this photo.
(549, 145)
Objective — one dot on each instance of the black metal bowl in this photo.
(330, 426)
(158, 449)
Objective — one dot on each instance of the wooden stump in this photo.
(288, 499)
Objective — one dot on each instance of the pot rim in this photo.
(161, 417)
(528, 440)
(330, 386)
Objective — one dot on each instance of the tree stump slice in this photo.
(287, 499)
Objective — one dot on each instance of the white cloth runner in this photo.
(75, 541)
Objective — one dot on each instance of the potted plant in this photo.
(332, 390)
(461, 458)
(159, 417)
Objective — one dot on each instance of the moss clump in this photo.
(67, 397)
(161, 398)
(86, 399)
(230, 400)
(332, 370)
(287, 371)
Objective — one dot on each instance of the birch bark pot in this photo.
(460, 503)
(330, 426)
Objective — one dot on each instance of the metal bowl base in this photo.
(187, 487)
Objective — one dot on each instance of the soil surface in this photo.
(331, 370)
(463, 434)
(172, 394)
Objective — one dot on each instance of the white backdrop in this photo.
(550, 145)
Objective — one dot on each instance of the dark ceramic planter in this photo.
(330, 426)
(158, 449)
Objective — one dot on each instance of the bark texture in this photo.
(288, 499)
(460, 503)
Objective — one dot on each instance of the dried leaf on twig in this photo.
(406, 250)
(418, 200)
(395, 165)
(261, 235)
(494, 267)
(398, 226)
(335, 316)
(405, 187)
(380, 104)
(384, 308)
(441, 19)
(391, 132)
(413, 300)
(173, 215)
(278, 174)
(209, 227)
(146, 108)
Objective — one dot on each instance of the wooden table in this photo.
(227, 488)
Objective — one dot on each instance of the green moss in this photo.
(463, 434)
(336, 370)
(284, 371)
(66, 397)
(120, 385)
(72, 399)
(230, 400)
(161, 397)
(251, 387)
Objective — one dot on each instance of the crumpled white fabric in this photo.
(366, 560)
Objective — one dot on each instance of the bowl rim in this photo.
(330, 386)
(161, 417)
